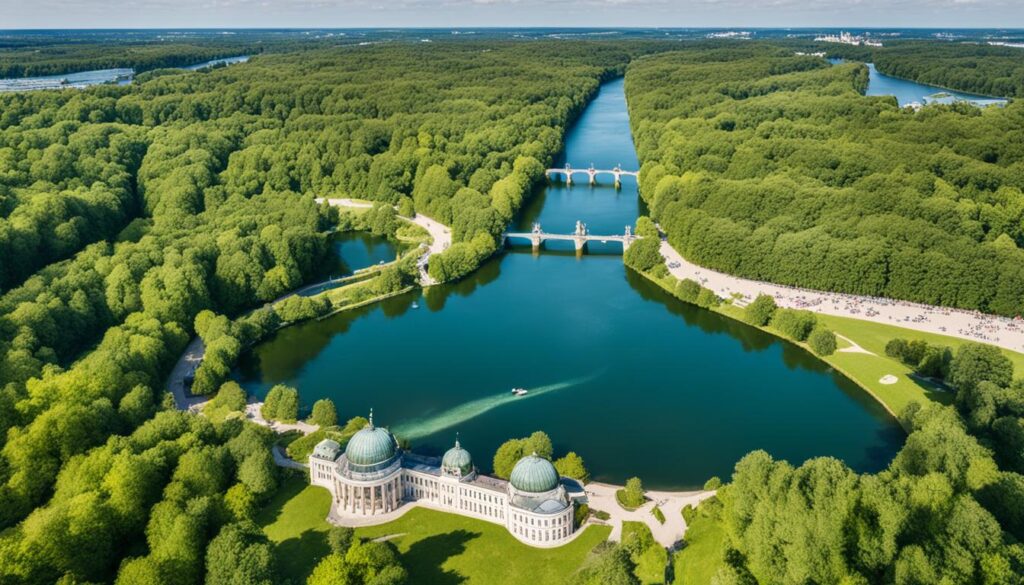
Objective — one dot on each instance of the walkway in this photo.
(602, 497)
(1000, 331)
(440, 234)
(186, 364)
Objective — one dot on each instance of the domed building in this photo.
(373, 476)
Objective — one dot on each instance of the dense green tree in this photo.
(324, 413)
(611, 565)
(632, 494)
(643, 254)
(340, 538)
(794, 324)
(760, 311)
(230, 396)
(240, 554)
(774, 166)
(822, 341)
(975, 363)
(511, 451)
(572, 466)
(258, 473)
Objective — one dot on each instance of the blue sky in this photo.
(553, 13)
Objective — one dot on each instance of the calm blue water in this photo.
(211, 63)
(633, 380)
(907, 91)
(357, 250)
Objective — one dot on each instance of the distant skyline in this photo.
(19, 14)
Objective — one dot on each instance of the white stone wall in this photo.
(388, 493)
(321, 473)
(541, 529)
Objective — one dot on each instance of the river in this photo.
(633, 380)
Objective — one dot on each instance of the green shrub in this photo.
(572, 466)
(975, 363)
(406, 207)
(601, 515)
(713, 483)
(793, 323)
(580, 514)
(932, 361)
(706, 298)
(281, 404)
(822, 341)
(689, 512)
(643, 255)
(658, 515)
(645, 227)
(760, 311)
(324, 414)
(687, 290)
(230, 396)
(631, 496)
(299, 308)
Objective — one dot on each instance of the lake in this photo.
(635, 381)
(83, 79)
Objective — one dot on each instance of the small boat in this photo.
(519, 391)
(415, 305)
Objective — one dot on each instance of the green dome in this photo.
(457, 458)
(534, 474)
(370, 446)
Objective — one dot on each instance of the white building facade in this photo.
(374, 476)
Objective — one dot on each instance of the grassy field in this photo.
(437, 548)
(866, 369)
(697, 563)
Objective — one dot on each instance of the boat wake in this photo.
(423, 427)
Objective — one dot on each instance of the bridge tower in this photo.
(580, 237)
(617, 172)
(568, 174)
(592, 173)
(627, 239)
(536, 237)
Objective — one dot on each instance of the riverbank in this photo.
(866, 365)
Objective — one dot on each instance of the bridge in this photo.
(580, 237)
(592, 173)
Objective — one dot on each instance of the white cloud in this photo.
(552, 13)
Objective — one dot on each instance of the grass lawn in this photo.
(866, 370)
(295, 521)
(437, 548)
(699, 560)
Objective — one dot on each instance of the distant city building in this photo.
(1005, 44)
(730, 34)
(815, 54)
(848, 39)
(373, 476)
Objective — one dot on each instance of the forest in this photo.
(56, 59)
(775, 167)
(971, 67)
(127, 213)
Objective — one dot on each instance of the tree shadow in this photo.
(284, 494)
(297, 557)
(425, 558)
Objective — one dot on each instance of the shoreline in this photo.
(774, 334)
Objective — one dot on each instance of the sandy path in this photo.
(439, 233)
(1001, 331)
(602, 497)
